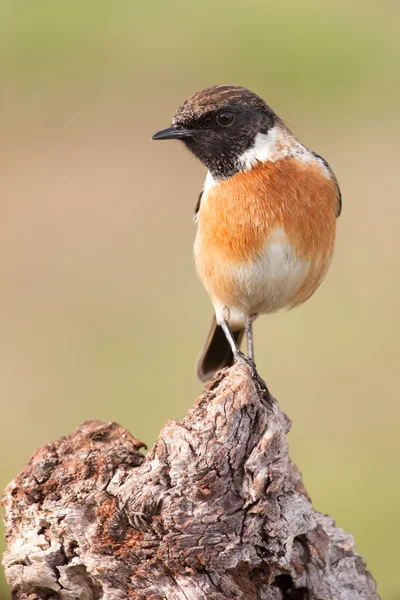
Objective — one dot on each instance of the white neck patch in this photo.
(265, 147)
(274, 145)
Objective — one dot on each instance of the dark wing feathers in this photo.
(197, 208)
(339, 194)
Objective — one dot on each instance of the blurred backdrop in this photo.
(102, 315)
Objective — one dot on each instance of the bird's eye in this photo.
(225, 118)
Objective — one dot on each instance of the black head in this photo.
(219, 124)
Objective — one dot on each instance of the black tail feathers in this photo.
(216, 353)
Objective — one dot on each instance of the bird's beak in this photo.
(175, 132)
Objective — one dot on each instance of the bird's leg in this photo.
(240, 357)
(231, 340)
(249, 334)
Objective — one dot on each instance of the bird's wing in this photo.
(338, 192)
(198, 203)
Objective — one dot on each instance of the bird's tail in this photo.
(216, 353)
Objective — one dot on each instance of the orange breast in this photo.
(238, 215)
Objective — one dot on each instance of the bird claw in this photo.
(240, 357)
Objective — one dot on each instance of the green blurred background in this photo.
(102, 315)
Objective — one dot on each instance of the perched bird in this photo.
(266, 216)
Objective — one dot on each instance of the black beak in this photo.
(175, 132)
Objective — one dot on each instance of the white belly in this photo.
(268, 284)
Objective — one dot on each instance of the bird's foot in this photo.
(240, 357)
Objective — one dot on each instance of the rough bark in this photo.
(216, 510)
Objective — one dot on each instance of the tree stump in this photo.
(216, 510)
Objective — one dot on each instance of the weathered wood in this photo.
(216, 510)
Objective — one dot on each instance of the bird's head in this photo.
(220, 125)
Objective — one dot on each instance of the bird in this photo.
(266, 215)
